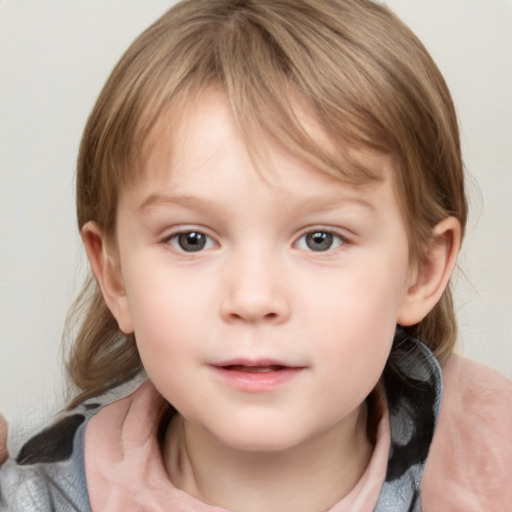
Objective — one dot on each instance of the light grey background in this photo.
(54, 57)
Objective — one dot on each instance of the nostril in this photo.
(254, 308)
(268, 317)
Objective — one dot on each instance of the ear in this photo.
(432, 274)
(104, 260)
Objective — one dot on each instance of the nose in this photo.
(255, 291)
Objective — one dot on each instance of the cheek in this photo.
(166, 333)
(159, 295)
(359, 343)
(357, 321)
(164, 314)
(363, 298)
(354, 355)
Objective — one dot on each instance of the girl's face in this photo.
(264, 302)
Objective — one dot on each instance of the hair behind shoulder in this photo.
(366, 77)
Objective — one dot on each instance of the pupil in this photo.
(320, 241)
(192, 241)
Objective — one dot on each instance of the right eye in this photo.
(190, 241)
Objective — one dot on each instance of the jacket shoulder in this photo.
(470, 460)
(47, 474)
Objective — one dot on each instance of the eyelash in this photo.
(199, 241)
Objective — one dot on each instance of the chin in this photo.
(255, 438)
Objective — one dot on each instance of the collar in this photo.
(414, 387)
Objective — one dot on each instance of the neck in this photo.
(310, 477)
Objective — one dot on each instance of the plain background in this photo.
(55, 56)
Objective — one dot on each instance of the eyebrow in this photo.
(309, 205)
(158, 199)
(312, 206)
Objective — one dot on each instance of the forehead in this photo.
(195, 127)
(196, 155)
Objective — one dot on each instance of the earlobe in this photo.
(432, 274)
(105, 265)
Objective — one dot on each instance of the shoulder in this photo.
(469, 464)
(48, 473)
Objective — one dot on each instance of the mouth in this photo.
(255, 369)
(256, 376)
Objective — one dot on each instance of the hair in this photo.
(366, 78)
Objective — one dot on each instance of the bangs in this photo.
(278, 81)
(350, 69)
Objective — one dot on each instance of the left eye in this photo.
(190, 241)
(319, 241)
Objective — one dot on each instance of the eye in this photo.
(190, 241)
(320, 241)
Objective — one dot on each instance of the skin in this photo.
(258, 291)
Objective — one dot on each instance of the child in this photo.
(271, 198)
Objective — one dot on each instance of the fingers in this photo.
(3, 439)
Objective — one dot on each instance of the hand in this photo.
(3, 440)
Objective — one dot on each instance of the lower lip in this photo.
(259, 382)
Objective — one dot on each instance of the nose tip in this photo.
(253, 306)
(255, 286)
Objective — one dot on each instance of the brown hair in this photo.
(366, 77)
